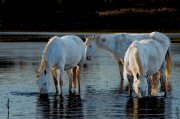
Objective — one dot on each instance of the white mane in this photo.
(137, 47)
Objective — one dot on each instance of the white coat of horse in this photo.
(63, 54)
(143, 59)
(117, 44)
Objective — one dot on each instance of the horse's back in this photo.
(74, 44)
(66, 50)
(74, 51)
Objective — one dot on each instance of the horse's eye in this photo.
(44, 83)
(90, 46)
(103, 39)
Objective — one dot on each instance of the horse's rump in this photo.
(164, 40)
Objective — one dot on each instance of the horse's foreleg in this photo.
(69, 75)
(74, 78)
(163, 76)
(54, 75)
(61, 71)
(154, 83)
(121, 69)
(79, 68)
(130, 79)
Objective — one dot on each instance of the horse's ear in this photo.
(85, 37)
(137, 75)
(45, 72)
(36, 72)
(97, 37)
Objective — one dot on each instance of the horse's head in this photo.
(90, 46)
(42, 81)
(141, 85)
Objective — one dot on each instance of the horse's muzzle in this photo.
(88, 58)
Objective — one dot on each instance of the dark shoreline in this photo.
(44, 36)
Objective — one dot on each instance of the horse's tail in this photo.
(168, 59)
(136, 46)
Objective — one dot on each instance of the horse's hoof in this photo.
(73, 90)
(165, 94)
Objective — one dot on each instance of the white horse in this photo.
(117, 44)
(143, 59)
(61, 54)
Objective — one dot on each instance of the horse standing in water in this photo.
(143, 59)
(117, 44)
(63, 54)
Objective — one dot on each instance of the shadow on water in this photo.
(55, 106)
(27, 94)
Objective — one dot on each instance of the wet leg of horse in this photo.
(61, 79)
(163, 76)
(149, 81)
(54, 75)
(121, 85)
(79, 68)
(74, 78)
(69, 75)
(155, 79)
(121, 69)
(168, 59)
(130, 79)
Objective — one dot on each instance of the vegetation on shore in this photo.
(90, 15)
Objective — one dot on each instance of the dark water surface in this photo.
(102, 94)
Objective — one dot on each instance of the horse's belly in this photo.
(154, 68)
(69, 66)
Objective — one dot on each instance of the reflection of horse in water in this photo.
(145, 108)
(43, 106)
(58, 107)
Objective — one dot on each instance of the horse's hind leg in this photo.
(121, 69)
(61, 71)
(74, 78)
(69, 75)
(149, 81)
(79, 68)
(54, 75)
(130, 79)
(163, 76)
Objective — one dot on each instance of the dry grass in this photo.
(133, 10)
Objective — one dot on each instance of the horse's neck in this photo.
(45, 66)
(137, 57)
(109, 48)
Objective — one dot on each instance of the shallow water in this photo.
(102, 94)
